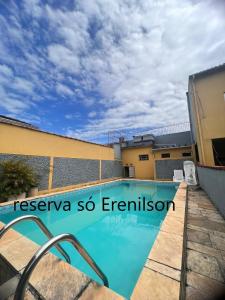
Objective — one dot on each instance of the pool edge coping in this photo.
(114, 295)
(84, 186)
(78, 276)
(162, 274)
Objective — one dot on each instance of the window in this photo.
(219, 151)
(186, 154)
(165, 155)
(143, 157)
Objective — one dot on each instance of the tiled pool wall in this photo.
(161, 277)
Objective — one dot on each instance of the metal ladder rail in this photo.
(20, 291)
(41, 225)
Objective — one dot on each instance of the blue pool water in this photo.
(119, 241)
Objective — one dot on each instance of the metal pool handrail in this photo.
(19, 294)
(41, 225)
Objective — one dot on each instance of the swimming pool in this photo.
(119, 241)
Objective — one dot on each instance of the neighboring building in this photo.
(206, 103)
(156, 157)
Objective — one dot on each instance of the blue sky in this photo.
(82, 68)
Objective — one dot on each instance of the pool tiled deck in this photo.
(205, 271)
(161, 276)
(52, 278)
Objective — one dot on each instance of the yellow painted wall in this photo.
(144, 169)
(175, 153)
(18, 140)
(207, 96)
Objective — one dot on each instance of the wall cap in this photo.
(220, 168)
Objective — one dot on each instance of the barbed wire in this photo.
(113, 136)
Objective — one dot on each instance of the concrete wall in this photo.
(61, 162)
(164, 168)
(70, 171)
(212, 182)
(40, 165)
(111, 168)
(26, 141)
(206, 97)
(61, 173)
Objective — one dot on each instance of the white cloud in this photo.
(62, 89)
(129, 58)
(71, 26)
(11, 103)
(146, 52)
(73, 116)
(22, 85)
(33, 7)
(5, 71)
(88, 101)
(5, 74)
(63, 58)
(92, 114)
(157, 48)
